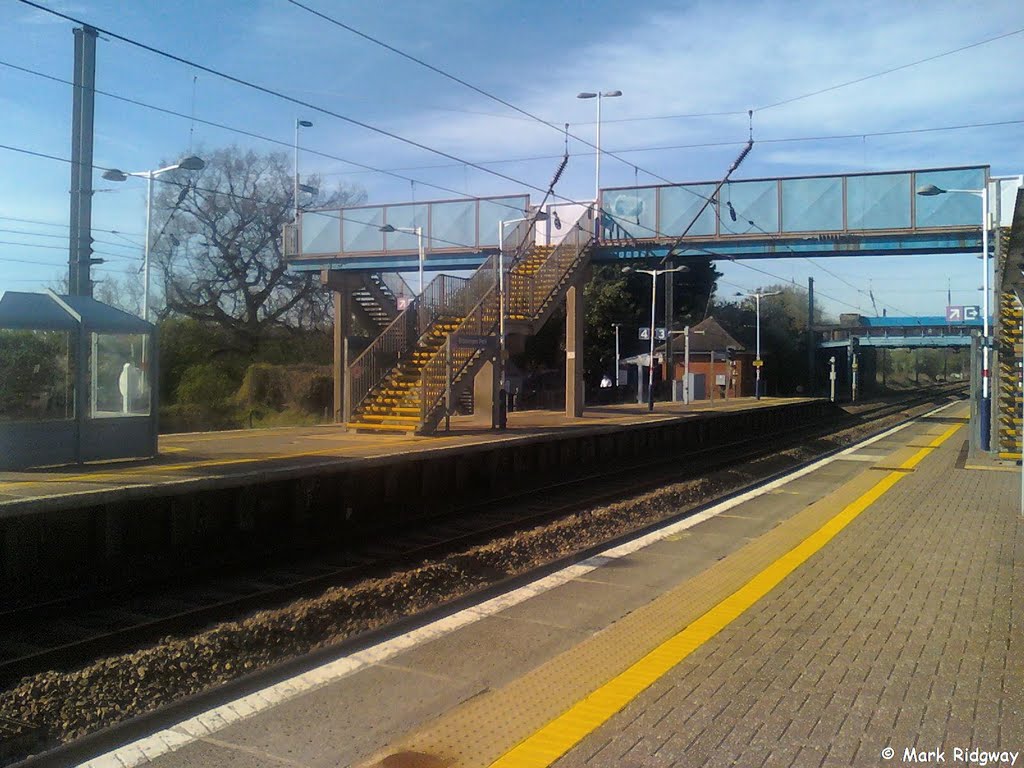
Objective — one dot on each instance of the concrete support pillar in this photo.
(485, 395)
(574, 350)
(341, 285)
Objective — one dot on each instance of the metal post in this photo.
(853, 380)
(1022, 412)
(832, 378)
(811, 383)
(419, 242)
(714, 382)
(687, 395)
(149, 240)
(669, 311)
(448, 383)
(650, 376)
(617, 326)
(295, 167)
(597, 169)
(501, 305)
(757, 363)
(346, 391)
(985, 411)
(83, 98)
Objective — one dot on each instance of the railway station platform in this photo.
(237, 499)
(865, 610)
(242, 454)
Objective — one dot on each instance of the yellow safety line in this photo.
(559, 736)
(154, 470)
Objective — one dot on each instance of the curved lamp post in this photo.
(654, 273)
(191, 163)
(597, 170)
(985, 406)
(757, 296)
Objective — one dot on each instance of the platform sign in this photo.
(645, 334)
(960, 314)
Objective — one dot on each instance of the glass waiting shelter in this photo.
(77, 382)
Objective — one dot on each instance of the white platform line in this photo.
(149, 748)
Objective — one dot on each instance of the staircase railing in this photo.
(529, 294)
(473, 336)
(398, 340)
(396, 285)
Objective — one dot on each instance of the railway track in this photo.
(62, 634)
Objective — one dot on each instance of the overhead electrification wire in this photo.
(283, 96)
(67, 226)
(462, 82)
(889, 71)
(233, 195)
(711, 144)
(65, 237)
(242, 132)
(64, 248)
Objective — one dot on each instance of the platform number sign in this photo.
(645, 334)
(960, 314)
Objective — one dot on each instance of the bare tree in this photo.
(218, 246)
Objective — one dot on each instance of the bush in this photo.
(198, 417)
(205, 384)
(307, 388)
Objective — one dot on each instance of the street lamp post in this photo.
(617, 326)
(597, 165)
(985, 406)
(295, 199)
(654, 273)
(758, 363)
(191, 163)
(418, 231)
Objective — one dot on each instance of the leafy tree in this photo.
(220, 251)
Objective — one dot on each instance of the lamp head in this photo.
(610, 94)
(303, 124)
(387, 228)
(930, 190)
(308, 189)
(628, 270)
(115, 175)
(192, 163)
(586, 95)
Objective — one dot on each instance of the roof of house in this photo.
(707, 336)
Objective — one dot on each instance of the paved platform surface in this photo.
(874, 601)
(245, 452)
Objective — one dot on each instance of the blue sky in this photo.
(668, 58)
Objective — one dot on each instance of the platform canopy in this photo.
(50, 312)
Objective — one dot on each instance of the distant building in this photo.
(714, 375)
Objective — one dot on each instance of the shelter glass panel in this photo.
(878, 202)
(751, 201)
(494, 211)
(36, 376)
(119, 375)
(629, 213)
(453, 225)
(361, 230)
(952, 208)
(812, 205)
(678, 206)
(321, 232)
(406, 217)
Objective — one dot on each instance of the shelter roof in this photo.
(49, 312)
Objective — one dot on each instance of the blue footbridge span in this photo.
(449, 338)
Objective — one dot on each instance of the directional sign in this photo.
(959, 314)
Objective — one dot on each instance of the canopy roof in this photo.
(50, 312)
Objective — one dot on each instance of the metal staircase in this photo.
(380, 298)
(415, 371)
